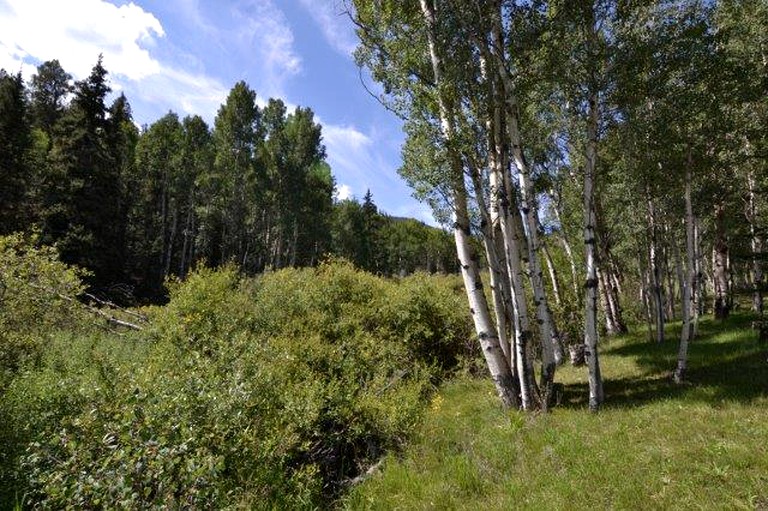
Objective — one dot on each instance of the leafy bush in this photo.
(265, 393)
(37, 295)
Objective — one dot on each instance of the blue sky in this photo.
(185, 55)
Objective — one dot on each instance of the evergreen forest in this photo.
(136, 206)
(190, 317)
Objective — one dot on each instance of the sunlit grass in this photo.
(654, 445)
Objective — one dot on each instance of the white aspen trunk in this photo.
(486, 331)
(605, 300)
(720, 265)
(497, 276)
(696, 291)
(572, 262)
(495, 248)
(528, 212)
(552, 274)
(655, 272)
(613, 301)
(294, 243)
(498, 281)
(514, 243)
(756, 247)
(567, 248)
(590, 295)
(686, 333)
(670, 295)
(185, 246)
(644, 295)
(616, 277)
(523, 334)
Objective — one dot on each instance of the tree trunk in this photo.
(566, 246)
(688, 305)
(756, 246)
(486, 331)
(612, 289)
(552, 273)
(500, 281)
(514, 241)
(655, 265)
(590, 295)
(186, 242)
(670, 295)
(645, 298)
(610, 321)
(497, 275)
(720, 265)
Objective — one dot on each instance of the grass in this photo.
(654, 445)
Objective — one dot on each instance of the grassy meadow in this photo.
(654, 445)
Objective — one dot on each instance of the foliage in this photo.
(388, 245)
(258, 393)
(15, 145)
(37, 297)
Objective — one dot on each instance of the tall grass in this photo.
(655, 445)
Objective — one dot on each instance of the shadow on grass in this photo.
(725, 363)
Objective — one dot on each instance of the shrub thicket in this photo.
(262, 393)
(37, 294)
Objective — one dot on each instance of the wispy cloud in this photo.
(331, 17)
(363, 161)
(263, 31)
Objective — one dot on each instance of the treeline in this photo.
(136, 206)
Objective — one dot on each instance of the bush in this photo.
(265, 393)
(37, 297)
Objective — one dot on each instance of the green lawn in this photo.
(654, 445)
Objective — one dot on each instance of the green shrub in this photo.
(265, 393)
(37, 297)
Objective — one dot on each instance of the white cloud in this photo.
(343, 192)
(77, 31)
(332, 19)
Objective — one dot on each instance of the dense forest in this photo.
(137, 206)
(190, 319)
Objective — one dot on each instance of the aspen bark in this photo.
(611, 283)
(720, 265)
(567, 247)
(523, 334)
(495, 271)
(655, 272)
(528, 212)
(486, 331)
(696, 291)
(513, 237)
(686, 333)
(756, 247)
(590, 295)
(552, 274)
(610, 320)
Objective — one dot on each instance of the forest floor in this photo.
(654, 444)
